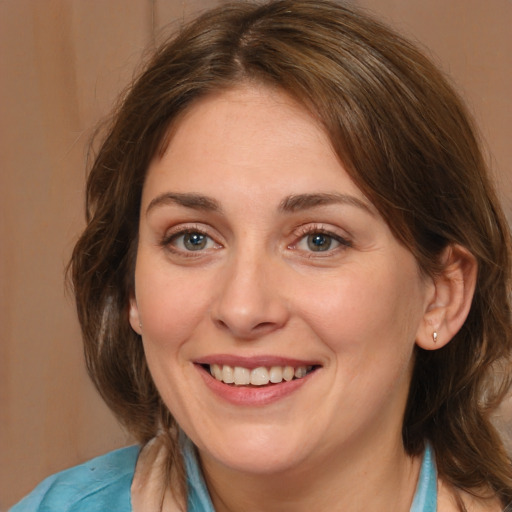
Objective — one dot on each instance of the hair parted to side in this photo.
(405, 139)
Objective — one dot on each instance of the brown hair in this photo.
(406, 140)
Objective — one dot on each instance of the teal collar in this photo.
(198, 496)
(425, 499)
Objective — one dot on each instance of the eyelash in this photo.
(300, 236)
(169, 238)
(317, 229)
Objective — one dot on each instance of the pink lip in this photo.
(255, 396)
(253, 362)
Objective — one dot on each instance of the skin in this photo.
(258, 288)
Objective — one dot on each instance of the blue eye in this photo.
(192, 241)
(319, 242)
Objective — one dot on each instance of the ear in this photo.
(134, 316)
(453, 293)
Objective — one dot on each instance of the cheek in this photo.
(367, 313)
(170, 305)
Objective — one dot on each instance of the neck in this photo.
(382, 478)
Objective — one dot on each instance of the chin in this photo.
(256, 450)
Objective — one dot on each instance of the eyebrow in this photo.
(298, 202)
(193, 201)
(289, 204)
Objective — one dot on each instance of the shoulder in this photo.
(100, 484)
(447, 501)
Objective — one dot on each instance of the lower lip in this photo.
(252, 395)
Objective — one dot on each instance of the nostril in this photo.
(221, 324)
(246, 330)
(262, 326)
(255, 314)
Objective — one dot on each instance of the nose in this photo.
(251, 301)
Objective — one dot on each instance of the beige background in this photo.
(62, 62)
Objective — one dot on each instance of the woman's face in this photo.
(259, 259)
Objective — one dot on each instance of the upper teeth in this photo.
(258, 376)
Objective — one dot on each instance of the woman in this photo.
(294, 280)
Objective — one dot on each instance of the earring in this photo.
(434, 336)
(140, 325)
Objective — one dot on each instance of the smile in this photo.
(255, 381)
(261, 376)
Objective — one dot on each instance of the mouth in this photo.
(256, 381)
(260, 376)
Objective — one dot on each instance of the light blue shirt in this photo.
(103, 484)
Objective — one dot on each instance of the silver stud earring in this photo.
(434, 336)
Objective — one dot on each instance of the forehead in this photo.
(250, 137)
(242, 114)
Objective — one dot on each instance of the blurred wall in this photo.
(62, 64)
